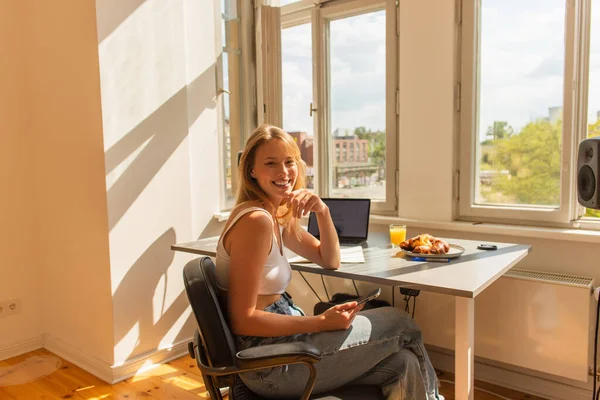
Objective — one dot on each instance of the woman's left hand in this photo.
(303, 201)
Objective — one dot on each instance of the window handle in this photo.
(312, 109)
(221, 91)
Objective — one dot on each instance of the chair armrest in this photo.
(273, 355)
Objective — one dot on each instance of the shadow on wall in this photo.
(213, 228)
(111, 13)
(146, 281)
(146, 284)
(144, 298)
(138, 294)
(164, 130)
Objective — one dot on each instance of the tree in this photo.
(499, 130)
(362, 133)
(532, 158)
(377, 147)
(594, 129)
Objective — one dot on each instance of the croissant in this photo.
(425, 244)
(422, 249)
(440, 247)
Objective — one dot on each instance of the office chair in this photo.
(213, 346)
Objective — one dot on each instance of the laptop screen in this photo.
(350, 218)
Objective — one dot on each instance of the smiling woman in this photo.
(270, 170)
(252, 274)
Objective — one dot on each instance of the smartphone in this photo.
(485, 246)
(375, 293)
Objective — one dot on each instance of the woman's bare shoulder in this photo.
(244, 206)
(257, 217)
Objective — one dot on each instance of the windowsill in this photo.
(222, 216)
(563, 234)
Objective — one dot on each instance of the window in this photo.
(339, 84)
(235, 101)
(297, 83)
(229, 97)
(522, 99)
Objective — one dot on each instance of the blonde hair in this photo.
(248, 187)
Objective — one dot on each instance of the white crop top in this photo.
(277, 273)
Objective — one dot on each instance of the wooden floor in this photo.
(177, 379)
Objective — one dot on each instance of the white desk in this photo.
(464, 277)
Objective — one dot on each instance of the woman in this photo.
(252, 274)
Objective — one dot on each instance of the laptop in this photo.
(350, 218)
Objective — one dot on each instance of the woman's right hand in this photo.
(340, 316)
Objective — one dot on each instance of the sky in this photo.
(521, 75)
(357, 56)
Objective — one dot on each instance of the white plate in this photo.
(455, 251)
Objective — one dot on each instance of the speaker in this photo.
(588, 172)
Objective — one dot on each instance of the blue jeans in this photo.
(382, 347)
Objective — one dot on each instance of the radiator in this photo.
(536, 320)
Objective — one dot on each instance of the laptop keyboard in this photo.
(351, 242)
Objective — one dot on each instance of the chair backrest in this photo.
(198, 276)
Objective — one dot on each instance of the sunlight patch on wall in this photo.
(113, 175)
(158, 300)
(126, 345)
(169, 339)
(141, 66)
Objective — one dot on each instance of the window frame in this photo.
(246, 77)
(574, 99)
(319, 15)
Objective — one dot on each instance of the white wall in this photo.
(18, 247)
(108, 148)
(426, 109)
(53, 204)
(64, 119)
(160, 137)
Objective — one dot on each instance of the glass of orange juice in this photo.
(397, 234)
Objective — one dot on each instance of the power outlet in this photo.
(10, 307)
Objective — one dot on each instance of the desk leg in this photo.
(464, 348)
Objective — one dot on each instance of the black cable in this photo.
(393, 296)
(406, 306)
(414, 306)
(325, 287)
(355, 288)
(311, 288)
(594, 393)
